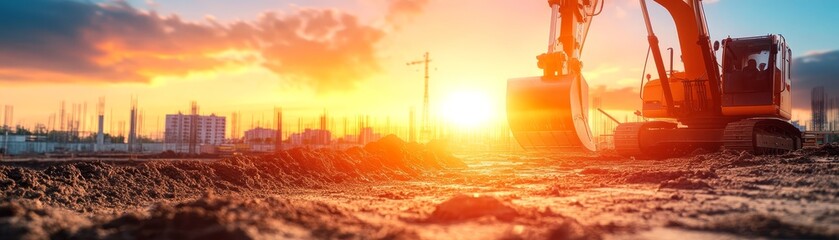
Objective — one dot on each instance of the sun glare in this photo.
(467, 108)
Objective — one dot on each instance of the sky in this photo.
(349, 57)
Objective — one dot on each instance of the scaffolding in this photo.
(817, 104)
(278, 133)
(193, 128)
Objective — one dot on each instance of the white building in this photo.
(311, 136)
(209, 130)
(260, 135)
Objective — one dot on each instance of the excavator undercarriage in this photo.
(659, 139)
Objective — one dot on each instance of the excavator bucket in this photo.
(550, 113)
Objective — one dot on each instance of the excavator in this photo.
(742, 102)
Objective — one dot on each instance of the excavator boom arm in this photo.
(699, 60)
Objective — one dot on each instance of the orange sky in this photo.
(475, 46)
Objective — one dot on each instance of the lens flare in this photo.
(467, 108)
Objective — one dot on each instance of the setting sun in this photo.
(467, 108)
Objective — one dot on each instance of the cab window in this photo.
(746, 66)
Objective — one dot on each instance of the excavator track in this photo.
(627, 142)
(629, 138)
(761, 136)
(739, 136)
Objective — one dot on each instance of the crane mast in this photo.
(425, 131)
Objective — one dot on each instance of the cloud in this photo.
(71, 41)
(325, 49)
(399, 10)
(812, 70)
(625, 99)
(68, 41)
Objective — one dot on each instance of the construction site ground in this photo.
(404, 191)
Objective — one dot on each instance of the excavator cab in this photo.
(756, 77)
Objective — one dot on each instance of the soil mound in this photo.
(685, 183)
(763, 225)
(209, 217)
(659, 176)
(733, 159)
(393, 152)
(463, 207)
(826, 150)
(81, 185)
(28, 219)
(572, 230)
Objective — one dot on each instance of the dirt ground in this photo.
(395, 190)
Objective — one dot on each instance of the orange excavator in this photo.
(741, 103)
